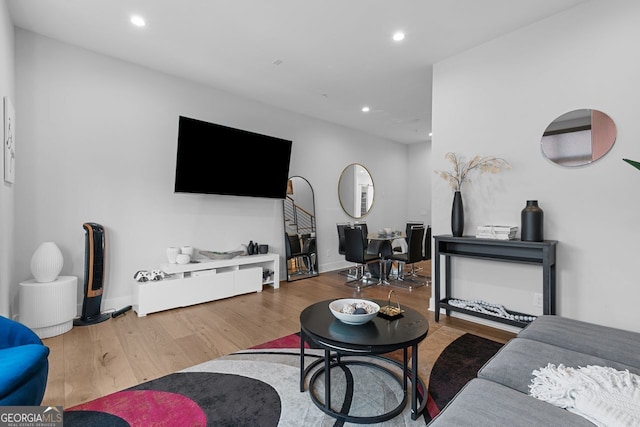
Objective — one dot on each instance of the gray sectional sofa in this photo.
(499, 395)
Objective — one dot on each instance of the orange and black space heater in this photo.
(93, 275)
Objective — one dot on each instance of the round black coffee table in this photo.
(373, 339)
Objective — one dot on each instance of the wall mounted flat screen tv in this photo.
(216, 159)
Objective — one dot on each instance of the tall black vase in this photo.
(532, 219)
(457, 215)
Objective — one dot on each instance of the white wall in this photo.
(419, 186)
(7, 236)
(497, 99)
(98, 141)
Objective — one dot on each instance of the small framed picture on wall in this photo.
(9, 141)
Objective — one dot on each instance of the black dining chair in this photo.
(356, 252)
(426, 254)
(371, 247)
(414, 269)
(409, 226)
(341, 246)
(341, 226)
(365, 233)
(406, 234)
(413, 255)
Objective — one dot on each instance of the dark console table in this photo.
(541, 253)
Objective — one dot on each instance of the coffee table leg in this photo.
(414, 382)
(405, 364)
(327, 379)
(301, 361)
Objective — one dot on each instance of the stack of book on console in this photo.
(499, 232)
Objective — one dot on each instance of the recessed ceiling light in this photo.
(398, 36)
(138, 21)
(365, 109)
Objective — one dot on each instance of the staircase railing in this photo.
(297, 217)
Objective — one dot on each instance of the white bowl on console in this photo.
(183, 259)
(337, 307)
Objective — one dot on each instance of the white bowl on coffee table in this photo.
(337, 306)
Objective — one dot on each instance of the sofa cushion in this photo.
(608, 343)
(483, 403)
(514, 363)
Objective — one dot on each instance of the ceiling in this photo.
(322, 58)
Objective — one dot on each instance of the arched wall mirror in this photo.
(356, 190)
(300, 230)
(578, 138)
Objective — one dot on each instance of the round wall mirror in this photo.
(356, 190)
(300, 230)
(578, 138)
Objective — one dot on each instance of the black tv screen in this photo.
(216, 159)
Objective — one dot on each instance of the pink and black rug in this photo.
(260, 387)
(458, 363)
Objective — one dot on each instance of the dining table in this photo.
(387, 236)
(380, 244)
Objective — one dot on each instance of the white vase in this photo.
(172, 253)
(46, 262)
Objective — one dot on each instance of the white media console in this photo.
(205, 280)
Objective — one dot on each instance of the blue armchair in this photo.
(23, 365)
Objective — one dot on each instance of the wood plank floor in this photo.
(92, 361)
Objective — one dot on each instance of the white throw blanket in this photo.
(602, 395)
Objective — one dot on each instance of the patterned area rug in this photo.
(458, 363)
(255, 387)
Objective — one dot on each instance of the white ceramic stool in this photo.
(49, 308)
